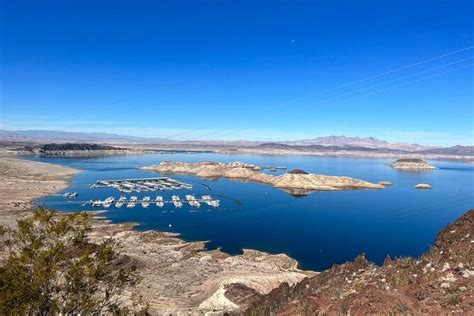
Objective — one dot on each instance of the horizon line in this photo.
(170, 139)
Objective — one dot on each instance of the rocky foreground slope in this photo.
(296, 181)
(439, 282)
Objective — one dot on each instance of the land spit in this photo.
(177, 276)
(296, 181)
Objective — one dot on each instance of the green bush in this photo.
(51, 267)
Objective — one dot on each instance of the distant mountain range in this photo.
(367, 142)
(41, 136)
(403, 149)
(322, 144)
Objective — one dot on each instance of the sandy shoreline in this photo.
(178, 276)
(23, 181)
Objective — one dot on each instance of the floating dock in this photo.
(71, 195)
(159, 201)
(143, 184)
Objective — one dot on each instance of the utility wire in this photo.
(318, 105)
(287, 102)
(396, 80)
(329, 100)
(379, 75)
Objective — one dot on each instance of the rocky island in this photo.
(412, 164)
(295, 182)
(423, 186)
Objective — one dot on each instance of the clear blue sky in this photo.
(240, 69)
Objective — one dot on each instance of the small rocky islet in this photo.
(423, 186)
(413, 164)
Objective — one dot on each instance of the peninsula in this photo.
(296, 181)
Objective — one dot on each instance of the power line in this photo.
(378, 75)
(328, 101)
(418, 80)
(307, 96)
(396, 80)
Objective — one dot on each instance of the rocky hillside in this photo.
(439, 282)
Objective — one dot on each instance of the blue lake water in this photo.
(318, 230)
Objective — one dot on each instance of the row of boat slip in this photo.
(159, 201)
(144, 184)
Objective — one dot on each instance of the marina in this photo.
(160, 202)
(247, 209)
(143, 184)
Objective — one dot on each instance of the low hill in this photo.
(75, 146)
(74, 149)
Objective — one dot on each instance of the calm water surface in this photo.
(317, 230)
